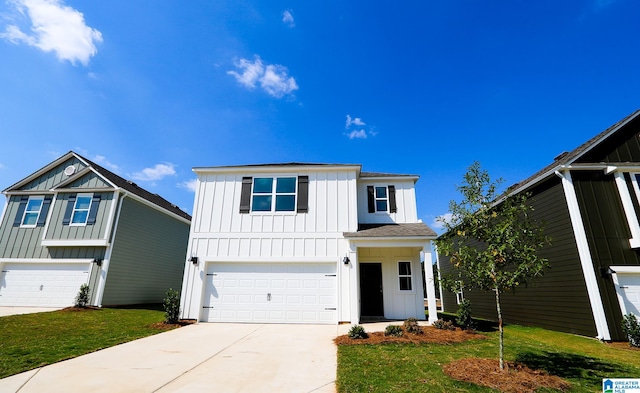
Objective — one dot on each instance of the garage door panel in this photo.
(48, 285)
(270, 293)
(629, 291)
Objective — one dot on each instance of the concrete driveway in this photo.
(6, 311)
(204, 357)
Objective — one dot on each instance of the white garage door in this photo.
(41, 285)
(628, 288)
(270, 293)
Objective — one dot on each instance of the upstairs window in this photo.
(81, 209)
(273, 194)
(32, 211)
(382, 199)
(404, 276)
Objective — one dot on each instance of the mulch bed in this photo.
(623, 345)
(515, 378)
(169, 326)
(80, 309)
(430, 335)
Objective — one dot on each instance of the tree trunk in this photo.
(497, 291)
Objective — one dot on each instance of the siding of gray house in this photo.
(148, 256)
(58, 231)
(53, 177)
(559, 301)
(17, 242)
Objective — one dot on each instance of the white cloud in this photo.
(357, 134)
(356, 122)
(273, 78)
(157, 172)
(438, 222)
(189, 185)
(102, 160)
(54, 27)
(287, 18)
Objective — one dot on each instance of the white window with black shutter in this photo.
(274, 194)
(382, 199)
(32, 211)
(81, 210)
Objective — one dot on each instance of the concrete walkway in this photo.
(204, 357)
(6, 311)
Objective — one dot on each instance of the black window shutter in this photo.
(371, 199)
(71, 201)
(93, 211)
(44, 211)
(303, 194)
(393, 208)
(245, 195)
(23, 205)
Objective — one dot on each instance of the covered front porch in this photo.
(385, 276)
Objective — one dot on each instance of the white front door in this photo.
(270, 293)
(41, 285)
(628, 289)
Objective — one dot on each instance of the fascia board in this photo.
(277, 169)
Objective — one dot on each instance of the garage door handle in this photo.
(623, 287)
(268, 297)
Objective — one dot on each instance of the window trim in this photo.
(410, 276)
(377, 199)
(274, 194)
(26, 211)
(75, 209)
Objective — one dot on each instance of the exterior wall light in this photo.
(194, 260)
(346, 260)
(97, 261)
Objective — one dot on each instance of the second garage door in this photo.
(270, 293)
(41, 285)
(629, 292)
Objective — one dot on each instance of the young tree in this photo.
(491, 242)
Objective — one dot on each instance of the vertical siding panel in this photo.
(254, 245)
(223, 249)
(240, 247)
(332, 202)
(289, 223)
(267, 224)
(278, 224)
(321, 202)
(310, 248)
(298, 247)
(287, 247)
(321, 247)
(266, 247)
(277, 247)
(212, 247)
(342, 198)
(230, 208)
(207, 223)
(311, 217)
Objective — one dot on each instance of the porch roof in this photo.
(393, 230)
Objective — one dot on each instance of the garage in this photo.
(270, 293)
(628, 289)
(41, 285)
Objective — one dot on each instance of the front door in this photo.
(371, 290)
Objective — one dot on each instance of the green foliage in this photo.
(172, 307)
(82, 298)
(463, 316)
(411, 326)
(631, 327)
(444, 325)
(492, 246)
(357, 332)
(393, 330)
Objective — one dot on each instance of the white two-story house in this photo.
(305, 243)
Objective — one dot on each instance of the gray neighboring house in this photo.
(74, 222)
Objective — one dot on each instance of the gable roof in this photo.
(568, 158)
(410, 230)
(111, 177)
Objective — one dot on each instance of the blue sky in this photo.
(152, 89)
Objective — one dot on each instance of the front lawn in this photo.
(581, 361)
(33, 340)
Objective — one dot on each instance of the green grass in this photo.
(33, 340)
(581, 361)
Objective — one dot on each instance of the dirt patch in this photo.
(80, 309)
(169, 326)
(516, 378)
(430, 335)
(623, 345)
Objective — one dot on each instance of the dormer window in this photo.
(382, 199)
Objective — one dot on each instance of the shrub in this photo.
(463, 318)
(172, 306)
(357, 332)
(411, 326)
(631, 328)
(82, 299)
(444, 325)
(393, 330)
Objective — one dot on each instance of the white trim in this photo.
(24, 213)
(388, 241)
(629, 210)
(45, 228)
(430, 282)
(75, 243)
(278, 169)
(112, 214)
(218, 259)
(107, 255)
(628, 269)
(584, 253)
(45, 260)
(75, 209)
(410, 275)
(354, 284)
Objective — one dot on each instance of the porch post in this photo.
(430, 283)
(354, 284)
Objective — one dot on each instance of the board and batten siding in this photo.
(405, 201)
(148, 256)
(557, 301)
(18, 242)
(58, 231)
(53, 177)
(219, 230)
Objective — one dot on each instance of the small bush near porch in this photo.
(580, 361)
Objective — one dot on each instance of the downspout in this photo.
(584, 253)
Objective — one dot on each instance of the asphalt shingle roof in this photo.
(418, 229)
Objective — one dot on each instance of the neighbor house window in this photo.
(459, 291)
(81, 209)
(273, 194)
(381, 199)
(404, 276)
(32, 211)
